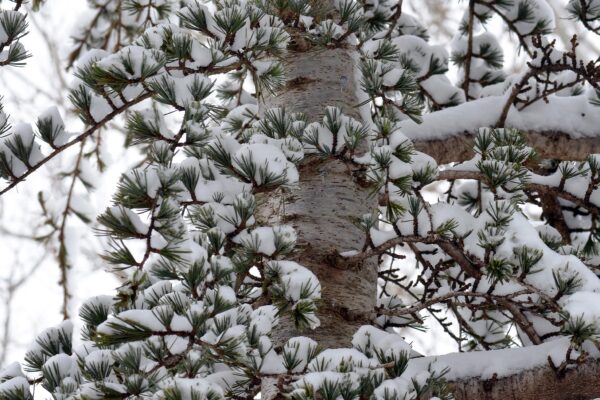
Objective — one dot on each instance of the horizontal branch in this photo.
(555, 145)
(519, 373)
(566, 128)
(529, 186)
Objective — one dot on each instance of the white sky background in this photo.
(36, 305)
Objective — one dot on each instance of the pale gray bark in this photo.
(521, 373)
(320, 208)
(580, 383)
(318, 78)
(548, 145)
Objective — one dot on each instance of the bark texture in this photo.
(318, 78)
(327, 197)
(581, 383)
(320, 208)
(548, 145)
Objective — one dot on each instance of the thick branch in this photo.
(519, 373)
(556, 145)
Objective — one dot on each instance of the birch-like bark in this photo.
(322, 205)
(325, 200)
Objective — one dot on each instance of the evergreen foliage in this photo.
(206, 280)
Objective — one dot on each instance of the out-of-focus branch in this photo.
(63, 256)
(11, 284)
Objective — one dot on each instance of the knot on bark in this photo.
(299, 82)
(488, 384)
(351, 315)
(298, 41)
(334, 259)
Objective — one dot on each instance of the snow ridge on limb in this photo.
(448, 135)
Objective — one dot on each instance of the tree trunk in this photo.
(325, 200)
(322, 205)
